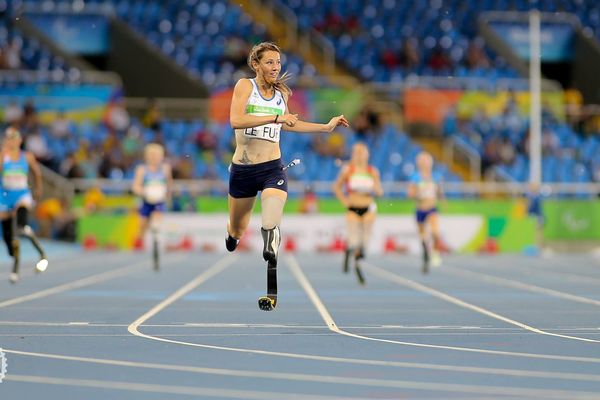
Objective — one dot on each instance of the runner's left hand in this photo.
(337, 121)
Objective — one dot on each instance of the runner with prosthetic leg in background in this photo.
(425, 188)
(362, 183)
(152, 182)
(17, 200)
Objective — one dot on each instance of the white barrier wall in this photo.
(313, 233)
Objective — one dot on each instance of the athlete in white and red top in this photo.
(356, 187)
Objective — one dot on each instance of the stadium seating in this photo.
(197, 34)
(567, 156)
(391, 151)
(366, 32)
(33, 55)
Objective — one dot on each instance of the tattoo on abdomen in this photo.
(245, 159)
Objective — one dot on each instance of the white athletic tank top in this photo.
(155, 185)
(427, 189)
(361, 182)
(259, 106)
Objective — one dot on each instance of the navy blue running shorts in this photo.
(248, 180)
(423, 214)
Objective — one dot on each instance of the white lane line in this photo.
(327, 379)
(518, 285)
(215, 269)
(64, 263)
(306, 285)
(87, 281)
(366, 362)
(390, 276)
(168, 389)
(536, 269)
(257, 334)
(483, 330)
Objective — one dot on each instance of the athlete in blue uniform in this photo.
(16, 198)
(152, 182)
(425, 188)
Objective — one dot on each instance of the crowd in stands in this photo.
(196, 150)
(569, 154)
(388, 39)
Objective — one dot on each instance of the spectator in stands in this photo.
(333, 24)
(70, 168)
(506, 152)
(330, 145)
(206, 141)
(13, 113)
(61, 126)
(476, 57)
(113, 168)
(131, 146)
(389, 58)
(409, 55)
(439, 60)
(491, 155)
(183, 201)
(550, 142)
(183, 168)
(35, 143)
(235, 51)
(367, 122)
(117, 118)
(153, 117)
(309, 203)
(573, 104)
(10, 55)
(29, 122)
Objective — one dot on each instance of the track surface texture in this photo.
(101, 325)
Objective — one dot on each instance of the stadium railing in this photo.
(58, 76)
(391, 189)
(313, 41)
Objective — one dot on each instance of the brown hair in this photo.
(256, 54)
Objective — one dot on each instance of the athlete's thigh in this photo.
(352, 218)
(421, 228)
(240, 210)
(369, 218)
(25, 200)
(268, 192)
(433, 221)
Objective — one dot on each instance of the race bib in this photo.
(268, 132)
(14, 181)
(427, 190)
(155, 193)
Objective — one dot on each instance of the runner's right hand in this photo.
(289, 119)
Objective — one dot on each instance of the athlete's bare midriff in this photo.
(426, 204)
(359, 200)
(254, 151)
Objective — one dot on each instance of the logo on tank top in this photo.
(279, 102)
(280, 182)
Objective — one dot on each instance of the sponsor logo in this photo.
(574, 223)
(279, 102)
(281, 181)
